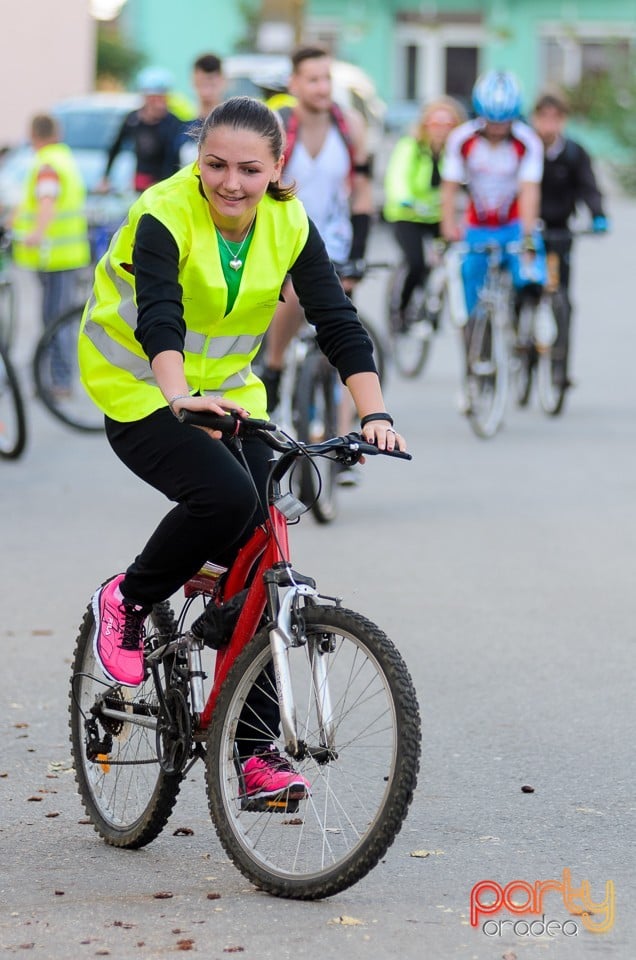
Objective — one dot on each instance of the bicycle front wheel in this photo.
(410, 336)
(56, 375)
(8, 310)
(316, 406)
(359, 729)
(12, 418)
(487, 374)
(126, 793)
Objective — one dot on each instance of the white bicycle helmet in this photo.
(497, 96)
(154, 80)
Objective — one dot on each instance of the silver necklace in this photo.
(236, 263)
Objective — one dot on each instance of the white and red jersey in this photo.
(492, 172)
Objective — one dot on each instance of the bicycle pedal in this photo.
(484, 368)
(270, 804)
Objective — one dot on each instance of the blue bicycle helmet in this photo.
(154, 80)
(497, 96)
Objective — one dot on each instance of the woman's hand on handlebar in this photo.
(382, 435)
(212, 404)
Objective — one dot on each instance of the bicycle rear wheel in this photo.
(412, 336)
(316, 405)
(126, 793)
(552, 382)
(358, 722)
(56, 375)
(12, 418)
(487, 375)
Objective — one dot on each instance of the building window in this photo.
(410, 72)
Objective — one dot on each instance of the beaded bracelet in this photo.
(376, 416)
(179, 396)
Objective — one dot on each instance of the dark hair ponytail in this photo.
(247, 113)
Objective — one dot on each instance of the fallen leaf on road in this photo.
(233, 949)
(21, 726)
(214, 896)
(509, 956)
(41, 633)
(59, 893)
(52, 814)
(34, 799)
(347, 921)
(426, 853)
(163, 895)
(183, 832)
(185, 944)
(526, 788)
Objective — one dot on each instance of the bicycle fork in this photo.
(285, 635)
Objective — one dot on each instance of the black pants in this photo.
(217, 510)
(217, 506)
(410, 238)
(562, 247)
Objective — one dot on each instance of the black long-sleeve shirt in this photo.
(156, 145)
(568, 179)
(160, 322)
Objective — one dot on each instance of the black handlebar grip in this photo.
(229, 424)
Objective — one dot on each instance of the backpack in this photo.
(290, 121)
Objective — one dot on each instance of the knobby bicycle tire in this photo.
(551, 383)
(360, 792)
(56, 375)
(12, 417)
(487, 375)
(316, 399)
(127, 795)
(411, 341)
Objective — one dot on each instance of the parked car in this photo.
(89, 124)
(256, 74)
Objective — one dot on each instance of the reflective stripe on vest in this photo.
(65, 245)
(218, 349)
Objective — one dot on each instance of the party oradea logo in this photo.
(488, 899)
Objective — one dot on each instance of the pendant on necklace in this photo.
(236, 264)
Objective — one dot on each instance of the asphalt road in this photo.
(504, 571)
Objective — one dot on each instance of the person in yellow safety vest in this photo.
(181, 302)
(412, 192)
(50, 233)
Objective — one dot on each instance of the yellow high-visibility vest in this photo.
(65, 244)
(218, 349)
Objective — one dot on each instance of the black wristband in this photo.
(376, 416)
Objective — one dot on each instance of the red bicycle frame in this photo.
(268, 545)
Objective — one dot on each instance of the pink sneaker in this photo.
(119, 634)
(268, 774)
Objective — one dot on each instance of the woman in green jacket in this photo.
(411, 189)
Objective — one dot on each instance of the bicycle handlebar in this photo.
(350, 447)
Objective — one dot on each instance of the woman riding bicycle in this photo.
(412, 192)
(181, 302)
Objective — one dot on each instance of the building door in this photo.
(461, 65)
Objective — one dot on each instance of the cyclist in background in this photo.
(208, 83)
(412, 192)
(568, 180)
(181, 302)
(326, 159)
(50, 232)
(155, 133)
(500, 160)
